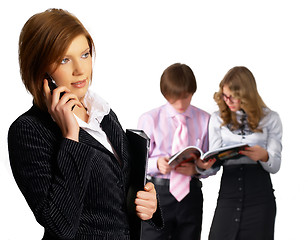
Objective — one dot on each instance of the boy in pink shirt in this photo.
(183, 214)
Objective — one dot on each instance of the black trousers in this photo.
(183, 220)
(246, 206)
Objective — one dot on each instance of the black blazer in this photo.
(76, 190)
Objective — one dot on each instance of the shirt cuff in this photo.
(200, 170)
(206, 173)
(152, 166)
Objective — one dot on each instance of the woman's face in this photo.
(233, 103)
(75, 70)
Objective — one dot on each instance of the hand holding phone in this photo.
(52, 84)
(65, 119)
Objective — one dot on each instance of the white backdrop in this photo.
(136, 40)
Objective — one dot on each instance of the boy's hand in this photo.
(187, 169)
(162, 165)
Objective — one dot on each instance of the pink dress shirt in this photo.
(160, 124)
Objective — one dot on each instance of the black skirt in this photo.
(246, 206)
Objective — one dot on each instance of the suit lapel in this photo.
(86, 138)
(115, 134)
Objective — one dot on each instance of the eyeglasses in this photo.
(230, 98)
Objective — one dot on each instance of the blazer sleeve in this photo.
(53, 178)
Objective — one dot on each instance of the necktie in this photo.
(179, 183)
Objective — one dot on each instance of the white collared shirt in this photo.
(269, 139)
(97, 108)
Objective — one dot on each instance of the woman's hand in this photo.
(146, 202)
(256, 153)
(61, 110)
(205, 165)
(162, 165)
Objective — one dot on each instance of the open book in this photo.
(192, 153)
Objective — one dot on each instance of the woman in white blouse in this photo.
(246, 206)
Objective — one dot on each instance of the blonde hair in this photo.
(242, 84)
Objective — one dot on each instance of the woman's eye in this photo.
(86, 55)
(64, 60)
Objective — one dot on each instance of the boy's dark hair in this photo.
(177, 81)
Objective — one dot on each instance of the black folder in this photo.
(139, 144)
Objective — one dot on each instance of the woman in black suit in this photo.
(68, 153)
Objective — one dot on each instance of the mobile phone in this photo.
(52, 84)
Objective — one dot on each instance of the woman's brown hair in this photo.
(43, 41)
(242, 84)
(177, 81)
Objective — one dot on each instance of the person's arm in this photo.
(215, 141)
(61, 110)
(274, 146)
(53, 178)
(269, 156)
(146, 123)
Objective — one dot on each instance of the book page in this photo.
(225, 153)
(188, 154)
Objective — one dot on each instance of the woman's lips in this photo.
(231, 107)
(80, 84)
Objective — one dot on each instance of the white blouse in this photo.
(269, 138)
(97, 108)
